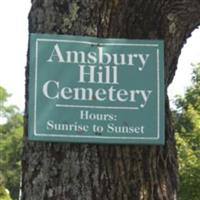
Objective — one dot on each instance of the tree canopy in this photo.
(11, 130)
(187, 127)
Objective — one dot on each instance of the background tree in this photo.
(11, 131)
(187, 126)
(109, 172)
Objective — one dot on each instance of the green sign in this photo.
(92, 90)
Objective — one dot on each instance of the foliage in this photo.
(4, 195)
(11, 130)
(187, 126)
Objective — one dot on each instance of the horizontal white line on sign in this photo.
(97, 107)
(96, 43)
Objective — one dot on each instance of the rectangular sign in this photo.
(92, 90)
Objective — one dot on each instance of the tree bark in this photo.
(109, 172)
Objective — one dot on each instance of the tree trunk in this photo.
(63, 171)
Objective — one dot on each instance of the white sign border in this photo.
(37, 134)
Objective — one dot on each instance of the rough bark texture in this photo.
(109, 172)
